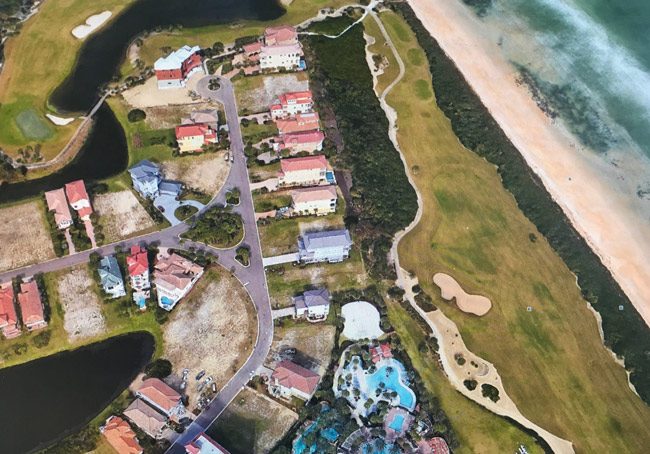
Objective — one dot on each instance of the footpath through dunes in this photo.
(551, 359)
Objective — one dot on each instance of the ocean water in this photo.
(590, 62)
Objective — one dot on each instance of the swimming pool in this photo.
(397, 423)
(389, 375)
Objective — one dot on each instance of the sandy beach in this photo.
(585, 186)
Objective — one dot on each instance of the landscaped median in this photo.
(218, 227)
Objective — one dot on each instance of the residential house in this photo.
(282, 35)
(8, 316)
(170, 188)
(162, 397)
(174, 277)
(137, 264)
(292, 103)
(146, 177)
(120, 436)
(319, 200)
(57, 203)
(193, 137)
(78, 198)
(289, 379)
(380, 352)
(436, 445)
(281, 57)
(31, 307)
(305, 171)
(110, 277)
(209, 117)
(295, 142)
(313, 304)
(299, 123)
(252, 49)
(173, 70)
(151, 421)
(328, 246)
(202, 444)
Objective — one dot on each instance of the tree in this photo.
(159, 368)
(218, 47)
(136, 115)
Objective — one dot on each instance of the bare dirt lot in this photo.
(213, 329)
(206, 172)
(121, 215)
(257, 93)
(313, 343)
(24, 238)
(252, 423)
(165, 117)
(148, 94)
(83, 311)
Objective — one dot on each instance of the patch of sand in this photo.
(83, 312)
(206, 173)
(213, 330)
(121, 214)
(260, 99)
(165, 117)
(361, 321)
(472, 304)
(24, 238)
(148, 94)
(313, 343)
(58, 120)
(595, 195)
(92, 23)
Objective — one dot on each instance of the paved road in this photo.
(252, 276)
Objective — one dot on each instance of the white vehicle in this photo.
(227, 156)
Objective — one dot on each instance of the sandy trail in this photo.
(581, 183)
(450, 341)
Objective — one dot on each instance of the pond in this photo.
(48, 398)
(102, 52)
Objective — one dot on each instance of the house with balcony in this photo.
(314, 305)
(292, 380)
(31, 306)
(193, 137)
(110, 277)
(147, 418)
(79, 199)
(8, 315)
(146, 178)
(301, 122)
(305, 171)
(174, 277)
(327, 246)
(162, 397)
(120, 436)
(292, 103)
(175, 69)
(296, 142)
(318, 200)
(58, 204)
(137, 263)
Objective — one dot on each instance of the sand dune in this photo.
(586, 190)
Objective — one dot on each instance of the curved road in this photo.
(252, 277)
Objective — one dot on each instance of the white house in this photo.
(313, 304)
(293, 103)
(78, 198)
(174, 277)
(295, 142)
(111, 277)
(319, 200)
(173, 70)
(327, 246)
(305, 171)
(283, 56)
(146, 177)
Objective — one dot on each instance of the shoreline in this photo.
(598, 211)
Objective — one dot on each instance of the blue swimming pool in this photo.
(389, 375)
(397, 423)
(329, 176)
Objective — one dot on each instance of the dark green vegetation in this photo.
(243, 255)
(482, 7)
(185, 211)
(136, 115)
(217, 227)
(383, 200)
(158, 368)
(624, 330)
(490, 392)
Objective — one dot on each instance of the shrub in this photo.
(218, 227)
(425, 302)
(136, 115)
(42, 339)
(490, 392)
(470, 384)
(159, 368)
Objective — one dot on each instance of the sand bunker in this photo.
(92, 23)
(58, 120)
(361, 321)
(472, 304)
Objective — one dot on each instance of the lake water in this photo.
(48, 398)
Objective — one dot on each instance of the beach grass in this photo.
(540, 333)
(37, 60)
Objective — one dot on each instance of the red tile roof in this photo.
(201, 440)
(193, 130)
(318, 193)
(29, 300)
(76, 191)
(301, 122)
(57, 202)
(120, 436)
(137, 262)
(253, 48)
(280, 35)
(158, 392)
(298, 97)
(381, 351)
(301, 138)
(291, 375)
(304, 163)
(8, 316)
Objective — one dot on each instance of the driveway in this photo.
(169, 205)
(280, 259)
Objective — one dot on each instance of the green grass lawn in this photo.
(270, 200)
(255, 132)
(33, 126)
(551, 359)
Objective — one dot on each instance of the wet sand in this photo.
(579, 181)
